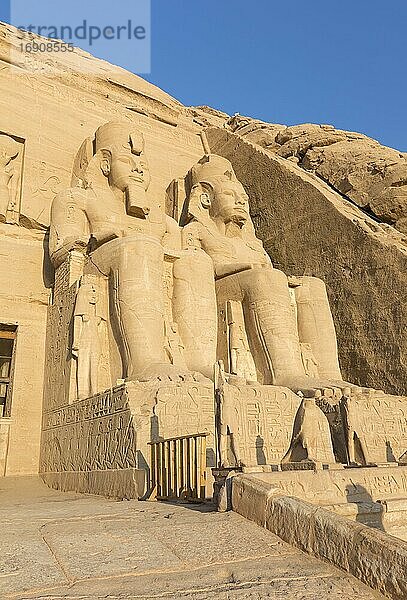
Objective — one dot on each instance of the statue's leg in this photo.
(224, 445)
(316, 326)
(94, 371)
(271, 323)
(135, 268)
(194, 310)
(83, 374)
(364, 448)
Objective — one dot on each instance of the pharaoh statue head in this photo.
(215, 194)
(116, 155)
(124, 164)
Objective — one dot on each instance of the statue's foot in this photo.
(168, 373)
(236, 380)
(310, 387)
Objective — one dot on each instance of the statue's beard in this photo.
(233, 228)
(239, 220)
(136, 201)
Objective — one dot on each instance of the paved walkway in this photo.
(63, 545)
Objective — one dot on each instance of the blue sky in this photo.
(340, 62)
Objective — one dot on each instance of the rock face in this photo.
(371, 175)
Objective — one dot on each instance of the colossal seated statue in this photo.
(153, 308)
(227, 301)
(110, 218)
(280, 315)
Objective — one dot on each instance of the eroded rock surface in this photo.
(371, 175)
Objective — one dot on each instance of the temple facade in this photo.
(156, 330)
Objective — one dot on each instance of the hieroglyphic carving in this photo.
(380, 422)
(11, 165)
(58, 363)
(183, 409)
(92, 434)
(265, 416)
(311, 439)
(58, 357)
(335, 487)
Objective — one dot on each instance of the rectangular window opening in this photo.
(8, 335)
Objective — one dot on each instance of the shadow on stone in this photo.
(369, 512)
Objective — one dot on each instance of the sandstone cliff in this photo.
(367, 173)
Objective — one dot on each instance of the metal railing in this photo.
(178, 467)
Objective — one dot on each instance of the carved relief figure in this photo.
(111, 217)
(174, 346)
(90, 316)
(354, 437)
(240, 358)
(9, 178)
(311, 439)
(308, 360)
(227, 419)
(216, 219)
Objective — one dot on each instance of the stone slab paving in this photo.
(57, 545)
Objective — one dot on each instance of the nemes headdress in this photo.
(118, 134)
(208, 170)
(210, 167)
(115, 134)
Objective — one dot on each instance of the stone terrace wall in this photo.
(377, 559)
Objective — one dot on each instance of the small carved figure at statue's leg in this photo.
(351, 447)
(234, 446)
(223, 442)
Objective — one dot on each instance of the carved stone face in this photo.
(93, 293)
(230, 202)
(127, 170)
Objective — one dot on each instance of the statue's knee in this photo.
(266, 282)
(314, 284)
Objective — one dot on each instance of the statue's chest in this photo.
(230, 249)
